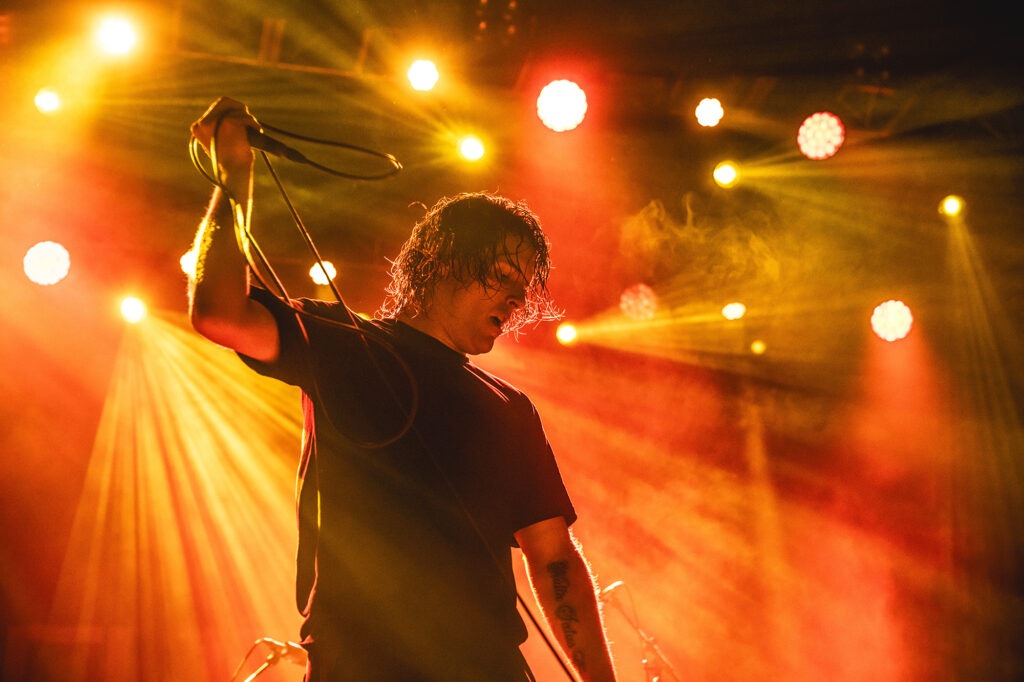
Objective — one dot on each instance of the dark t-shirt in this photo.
(425, 465)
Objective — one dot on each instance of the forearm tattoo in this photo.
(566, 614)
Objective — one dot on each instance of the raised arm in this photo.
(565, 590)
(219, 305)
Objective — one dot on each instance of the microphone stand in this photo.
(654, 658)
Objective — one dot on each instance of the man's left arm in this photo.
(565, 590)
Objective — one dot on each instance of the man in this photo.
(420, 471)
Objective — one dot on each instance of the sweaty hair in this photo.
(466, 237)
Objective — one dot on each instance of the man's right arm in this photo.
(219, 304)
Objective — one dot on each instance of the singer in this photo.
(420, 471)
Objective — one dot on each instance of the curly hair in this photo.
(465, 237)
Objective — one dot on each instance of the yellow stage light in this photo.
(709, 112)
(47, 101)
(116, 35)
(726, 174)
(951, 206)
(734, 310)
(133, 310)
(323, 275)
(758, 347)
(423, 75)
(566, 333)
(471, 148)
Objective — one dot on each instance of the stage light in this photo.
(47, 101)
(758, 347)
(639, 302)
(820, 136)
(709, 112)
(323, 275)
(566, 333)
(734, 310)
(726, 174)
(951, 206)
(116, 36)
(562, 105)
(892, 320)
(46, 263)
(133, 310)
(423, 75)
(188, 263)
(471, 148)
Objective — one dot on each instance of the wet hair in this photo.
(466, 237)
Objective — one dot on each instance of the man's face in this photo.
(469, 317)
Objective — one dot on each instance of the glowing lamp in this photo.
(46, 263)
(726, 174)
(566, 334)
(709, 112)
(951, 206)
(639, 302)
(891, 320)
(734, 310)
(47, 101)
(423, 75)
(133, 310)
(820, 136)
(116, 36)
(561, 105)
(323, 275)
(471, 148)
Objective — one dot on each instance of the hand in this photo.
(228, 119)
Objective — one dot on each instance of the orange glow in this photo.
(180, 554)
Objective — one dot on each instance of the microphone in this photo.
(268, 144)
(289, 651)
(606, 594)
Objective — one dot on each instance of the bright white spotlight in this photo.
(47, 101)
(423, 75)
(726, 174)
(116, 36)
(734, 310)
(709, 112)
(566, 334)
(892, 320)
(47, 263)
(133, 310)
(323, 275)
(471, 148)
(562, 105)
(188, 262)
(820, 136)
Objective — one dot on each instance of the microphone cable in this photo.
(252, 252)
